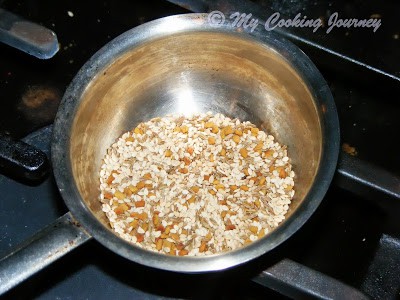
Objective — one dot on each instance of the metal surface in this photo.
(48, 245)
(182, 64)
(27, 36)
(299, 282)
(22, 161)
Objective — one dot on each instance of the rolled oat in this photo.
(195, 186)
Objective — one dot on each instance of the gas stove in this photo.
(349, 248)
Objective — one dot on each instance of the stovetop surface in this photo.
(339, 240)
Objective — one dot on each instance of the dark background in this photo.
(339, 240)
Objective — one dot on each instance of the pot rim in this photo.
(172, 25)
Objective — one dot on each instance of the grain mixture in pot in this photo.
(195, 186)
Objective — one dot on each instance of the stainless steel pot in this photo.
(182, 64)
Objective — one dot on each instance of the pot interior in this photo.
(195, 72)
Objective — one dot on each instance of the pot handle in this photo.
(22, 161)
(27, 36)
(43, 248)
